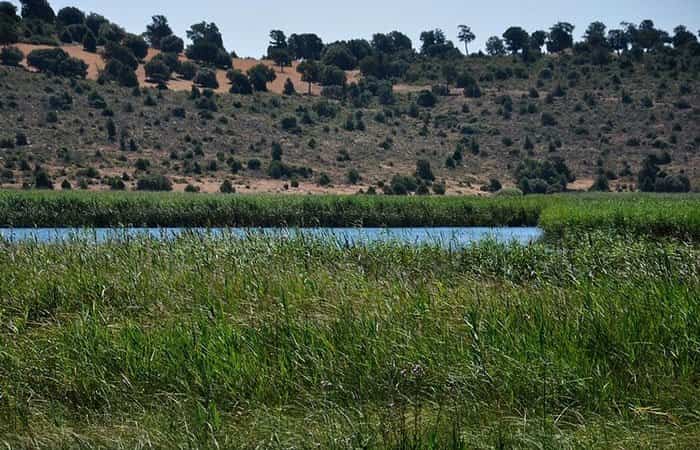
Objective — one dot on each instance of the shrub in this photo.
(324, 179)
(401, 185)
(423, 170)
(289, 87)
(227, 187)
(188, 70)
(11, 56)
(122, 54)
(548, 120)
(172, 44)
(57, 62)
(426, 99)
(137, 45)
(289, 124)
(90, 42)
(66, 186)
(353, 176)
(240, 83)
(206, 78)
(154, 183)
(42, 180)
(157, 71)
(600, 184)
(259, 75)
(254, 164)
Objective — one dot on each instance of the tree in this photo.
(57, 62)
(240, 83)
(423, 170)
(206, 78)
(172, 44)
(332, 76)
(260, 75)
(207, 32)
(516, 39)
(207, 45)
(121, 54)
(435, 44)
(465, 36)
(278, 39)
(94, 22)
(391, 43)
(157, 30)
(495, 46)
(305, 46)
(560, 37)
(595, 35)
(157, 71)
(289, 87)
(137, 45)
(38, 9)
(11, 56)
(538, 39)
(90, 42)
(110, 32)
(682, 37)
(618, 40)
(338, 54)
(70, 16)
(449, 72)
(310, 72)
(8, 30)
(9, 11)
(280, 56)
(646, 35)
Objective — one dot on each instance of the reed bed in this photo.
(218, 342)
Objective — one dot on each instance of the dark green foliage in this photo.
(70, 16)
(90, 42)
(206, 78)
(600, 184)
(332, 76)
(57, 62)
(543, 177)
(42, 180)
(339, 55)
(157, 31)
(11, 56)
(652, 179)
(305, 46)
(324, 179)
(426, 99)
(187, 70)
(289, 87)
(240, 83)
(38, 9)
(137, 45)
(260, 75)
(154, 183)
(401, 185)
(423, 170)
(157, 71)
(227, 187)
(289, 123)
(122, 54)
(172, 44)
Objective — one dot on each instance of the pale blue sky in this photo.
(245, 24)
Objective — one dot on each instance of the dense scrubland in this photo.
(540, 111)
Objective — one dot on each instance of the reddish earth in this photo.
(96, 63)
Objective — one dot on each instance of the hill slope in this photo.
(596, 119)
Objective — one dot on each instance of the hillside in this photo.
(593, 125)
(381, 117)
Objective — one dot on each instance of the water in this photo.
(448, 237)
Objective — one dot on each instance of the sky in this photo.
(245, 25)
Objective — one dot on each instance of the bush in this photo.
(548, 120)
(401, 185)
(240, 83)
(254, 164)
(227, 187)
(188, 70)
(172, 44)
(543, 177)
(57, 62)
(324, 179)
(289, 87)
(157, 71)
(426, 99)
(122, 54)
(353, 176)
(206, 78)
(90, 42)
(154, 183)
(137, 45)
(11, 56)
(259, 75)
(423, 170)
(42, 180)
(289, 124)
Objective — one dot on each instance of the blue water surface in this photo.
(448, 237)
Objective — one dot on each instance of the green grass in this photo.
(674, 215)
(201, 342)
